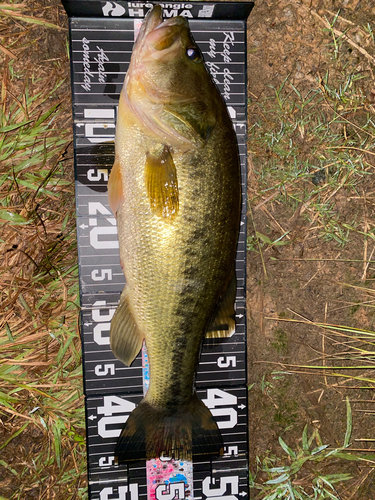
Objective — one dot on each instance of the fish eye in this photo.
(194, 54)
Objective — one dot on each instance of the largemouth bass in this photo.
(175, 190)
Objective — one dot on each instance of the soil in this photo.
(305, 279)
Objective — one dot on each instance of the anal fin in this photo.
(126, 339)
(223, 325)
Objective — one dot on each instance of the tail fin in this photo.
(152, 432)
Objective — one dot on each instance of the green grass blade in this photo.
(349, 423)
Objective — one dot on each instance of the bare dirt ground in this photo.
(306, 279)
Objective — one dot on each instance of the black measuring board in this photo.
(101, 40)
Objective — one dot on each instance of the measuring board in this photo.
(102, 35)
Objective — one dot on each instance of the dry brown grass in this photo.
(41, 402)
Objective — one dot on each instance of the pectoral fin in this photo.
(126, 339)
(161, 183)
(115, 189)
(224, 323)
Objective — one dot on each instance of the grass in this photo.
(308, 147)
(315, 470)
(42, 447)
(16, 13)
(299, 475)
(355, 351)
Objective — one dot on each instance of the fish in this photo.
(175, 191)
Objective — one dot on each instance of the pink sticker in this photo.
(168, 477)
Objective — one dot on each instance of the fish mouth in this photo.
(157, 39)
(160, 33)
